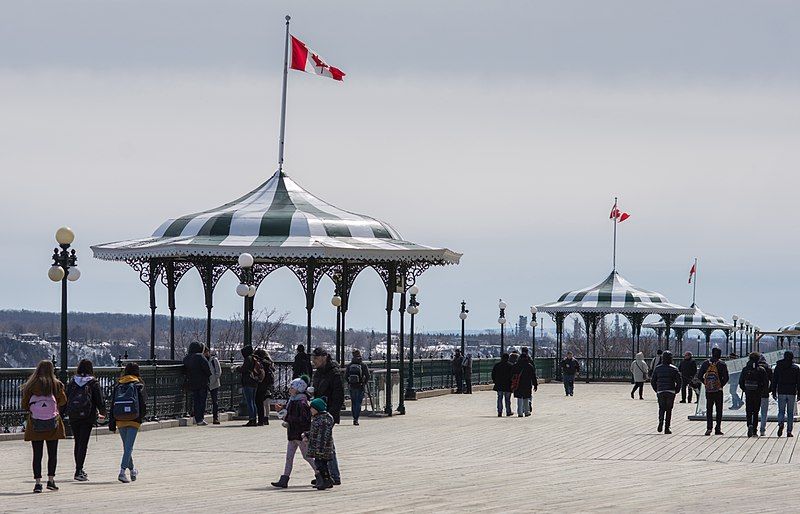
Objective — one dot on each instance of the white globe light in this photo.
(413, 290)
(502, 321)
(533, 323)
(251, 291)
(246, 260)
(55, 273)
(336, 301)
(502, 304)
(74, 274)
(412, 309)
(242, 290)
(534, 310)
(735, 317)
(65, 236)
(462, 315)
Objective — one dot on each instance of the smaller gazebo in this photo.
(786, 334)
(697, 320)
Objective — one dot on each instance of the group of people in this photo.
(515, 374)
(462, 372)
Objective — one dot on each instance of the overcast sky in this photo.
(502, 130)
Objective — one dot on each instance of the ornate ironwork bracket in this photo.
(309, 275)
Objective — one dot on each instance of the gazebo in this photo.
(281, 225)
(697, 320)
(614, 295)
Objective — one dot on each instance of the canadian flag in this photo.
(617, 214)
(305, 59)
(692, 272)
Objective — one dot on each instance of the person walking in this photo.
(42, 396)
(296, 416)
(753, 382)
(357, 379)
(513, 356)
(252, 373)
(329, 385)
(265, 387)
(197, 380)
(656, 360)
(639, 372)
(128, 409)
(765, 395)
(320, 443)
(466, 365)
(524, 382)
(85, 404)
(688, 369)
(570, 367)
(214, 382)
(302, 363)
(501, 376)
(785, 387)
(713, 374)
(458, 371)
(666, 382)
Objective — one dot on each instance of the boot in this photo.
(660, 425)
(780, 430)
(326, 482)
(282, 482)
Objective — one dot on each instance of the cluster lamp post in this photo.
(247, 290)
(63, 269)
(463, 316)
(413, 310)
(533, 331)
(502, 320)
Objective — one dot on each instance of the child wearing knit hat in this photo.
(296, 416)
(320, 442)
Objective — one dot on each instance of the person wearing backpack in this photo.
(713, 374)
(785, 386)
(252, 373)
(85, 404)
(197, 380)
(264, 387)
(357, 377)
(42, 395)
(753, 381)
(128, 408)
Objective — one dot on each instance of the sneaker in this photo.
(509, 413)
(667, 431)
(780, 430)
(499, 414)
(708, 432)
(216, 422)
(37, 488)
(355, 422)
(80, 476)
(134, 474)
(718, 432)
(763, 433)
(51, 485)
(682, 401)
(337, 481)
(789, 434)
(527, 414)
(201, 423)
(250, 423)
(122, 477)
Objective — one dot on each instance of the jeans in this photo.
(764, 412)
(52, 457)
(468, 381)
(249, 394)
(81, 432)
(736, 401)
(356, 399)
(504, 397)
(323, 468)
(639, 386)
(333, 466)
(713, 400)
(262, 405)
(215, 403)
(786, 409)
(752, 406)
(523, 406)
(666, 400)
(459, 382)
(291, 449)
(128, 436)
(687, 384)
(199, 403)
(569, 384)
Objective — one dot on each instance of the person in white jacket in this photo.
(214, 381)
(639, 372)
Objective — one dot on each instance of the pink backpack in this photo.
(44, 412)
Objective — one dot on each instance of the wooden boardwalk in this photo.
(596, 451)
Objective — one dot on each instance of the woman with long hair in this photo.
(128, 408)
(85, 405)
(42, 395)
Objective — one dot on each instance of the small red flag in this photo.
(614, 212)
(622, 217)
(692, 272)
(303, 58)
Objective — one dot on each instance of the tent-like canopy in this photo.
(790, 330)
(699, 320)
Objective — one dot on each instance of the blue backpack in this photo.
(126, 402)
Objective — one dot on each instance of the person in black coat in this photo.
(265, 387)
(688, 369)
(524, 382)
(715, 380)
(785, 387)
(302, 363)
(85, 403)
(501, 376)
(458, 371)
(753, 381)
(197, 378)
(329, 385)
(666, 382)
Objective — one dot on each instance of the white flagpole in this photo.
(283, 96)
(694, 284)
(614, 255)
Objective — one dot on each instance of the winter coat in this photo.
(301, 365)
(364, 374)
(95, 393)
(298, 417)
(245, 369)
(752, 372)
(320, 437)
(215, 380)
(785, 378)
(328, 384)
(722, 369)
(526, 381)
(113, 424)
(768, 370)
(466, 364)
(51, 435)
(501, 376)
(639, 368)
(688, 369)
(196, 368)
(458, 365)
(265, 387)
(666, 378)
(570, 366)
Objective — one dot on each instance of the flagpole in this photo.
(694, 284)
(614, 255)
(283, 96)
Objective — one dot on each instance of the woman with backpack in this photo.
(357, 379)
(84, 402)
(42, 395)
(128, 408)
(264, 387)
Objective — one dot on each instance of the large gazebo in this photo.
(614, 295)
(697, 320)
(281, 225)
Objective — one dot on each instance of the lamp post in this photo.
(533, 331)
(336, 301)
(502, 320)
(756, 330)
(698, 345)
(247, 291)
(463, 316)
(413, 310)
(735, 318)
(64, 269)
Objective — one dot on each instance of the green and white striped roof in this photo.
(279, 219)
(696, 320)
(614, 294)
(793, 329)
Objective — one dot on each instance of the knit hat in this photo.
(319, 405)
(299, 385)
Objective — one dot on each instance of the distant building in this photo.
(522, 327)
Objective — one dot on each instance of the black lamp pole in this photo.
(247, 290)
(64, 268)
(502, 321)
(463, 316)
(533, 332)
(413, 309)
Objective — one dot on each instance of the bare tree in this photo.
(266, 324)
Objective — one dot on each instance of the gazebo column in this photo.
(727, 339)
(660, 332)
(210, 274)
(401, 407)
(590, 322)
(668, 320)
(559, 321)
(679, 332)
